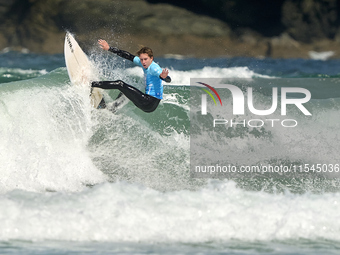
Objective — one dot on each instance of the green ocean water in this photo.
(76, 180)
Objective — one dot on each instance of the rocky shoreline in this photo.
(170, 29)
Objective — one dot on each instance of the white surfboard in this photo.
(80, 69)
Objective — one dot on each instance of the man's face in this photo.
(145, 60)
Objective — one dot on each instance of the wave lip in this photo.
(321, 55)
(183, 77)
(17, 74)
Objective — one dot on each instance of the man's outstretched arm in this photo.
(124, 54)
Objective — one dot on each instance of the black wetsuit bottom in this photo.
(143, 101)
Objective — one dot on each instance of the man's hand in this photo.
(164, 73)
(103, 44)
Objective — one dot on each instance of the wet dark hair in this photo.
(146, 50)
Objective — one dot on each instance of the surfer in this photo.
(153, 76)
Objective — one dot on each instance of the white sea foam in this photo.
(321, 55)
(121, 212)
(4, 70)
(44, 135)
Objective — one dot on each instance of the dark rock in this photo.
(200, 27)
(307, 20)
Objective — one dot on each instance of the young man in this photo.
(153, 76)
